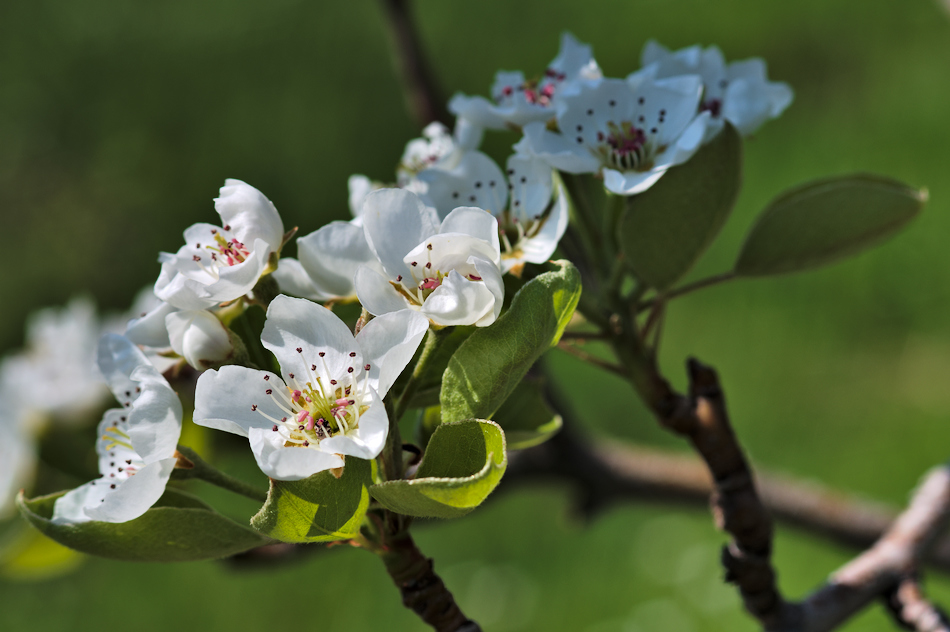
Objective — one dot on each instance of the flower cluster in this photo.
(429, 250)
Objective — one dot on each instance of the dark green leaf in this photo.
(526, 418)
(178, 528)
(322, 508)
(827, 220)
(490, 364)
(666, 228)
(463, 463)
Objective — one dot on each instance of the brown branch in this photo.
(422, 590)
(911, 609)
(423, 97)
(881, 569)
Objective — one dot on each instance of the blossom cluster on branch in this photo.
(450, 269)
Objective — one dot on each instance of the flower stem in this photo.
(692, 287)
(433, 338)
(201, 469)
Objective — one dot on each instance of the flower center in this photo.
(315, 408)
(626, 147)
(224, 252)
(535, 91)
(426, 278)
(713, 106)
(514, 228)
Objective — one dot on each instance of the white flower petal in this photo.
(631, 182)
(388, 343)
(295, 323)
(459, 301)
(294, 280)
(532, 182)
(149, 329)
(332, 254)
(558, 151)
(249, 213)
(224, 399)
(395, 221)
(359, 187)
(132, 497)
(479, 111)
(368, 440)
(539, 248)
(475, 222)
(288, 464)
(376, 294)
(474, 181)
(199, 337)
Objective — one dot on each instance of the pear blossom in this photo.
(631, 134)
(136, 444)
(448, 271)
(531, 220)
(327, 402)
(739, 92)
(327, 260)
(198, 336)
(55, 373)
(219, 264)
(438, 148)
(519, 101)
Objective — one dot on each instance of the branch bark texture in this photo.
(422, 590)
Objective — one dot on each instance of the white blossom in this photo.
(327, 402)
(448, 271)
(517, 101)
(219, 264)
(136, 444)
(739, 92)
(631, 134)
(531, 219)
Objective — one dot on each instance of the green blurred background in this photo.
(119, 121)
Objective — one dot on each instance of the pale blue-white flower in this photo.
(517, 101)
(739, 92)
(629, 134)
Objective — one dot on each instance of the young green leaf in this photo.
(489, 365)
(526, 418)
(666, 228)
(322, 508)
(178, 528)
(463, 464)
(826, 220)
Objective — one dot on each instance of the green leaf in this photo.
(322, 508)
(178, 528)
(526, 418)
(489, 365)
(463, 464)
(666, 228)
(827, 220)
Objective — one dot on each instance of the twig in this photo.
(881, 569)
(568, 347)
(911, 609)
(423, 97)
(691, 287)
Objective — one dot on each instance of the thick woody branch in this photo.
(423, 97)
(911, 609)
(422, 590)
(881, 569)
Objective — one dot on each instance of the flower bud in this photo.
(199, 337)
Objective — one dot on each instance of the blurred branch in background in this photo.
(423, 97)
